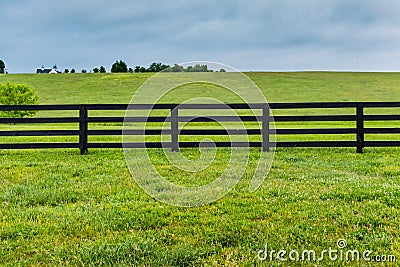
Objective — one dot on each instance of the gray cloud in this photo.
(249, 35)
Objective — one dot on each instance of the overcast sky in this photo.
(266, 35)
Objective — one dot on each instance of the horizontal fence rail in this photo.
(83, 119)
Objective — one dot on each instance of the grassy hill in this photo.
(277, 87)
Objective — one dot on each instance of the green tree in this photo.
(196, 68)
(96, 70)
(176, 68)
(200, 68)
(84, 71)
(119, 66)
(73, 71)
(139, 69)
(17, 94)
(2, 66)
(157, 67)
(66, 71)
(102, 69)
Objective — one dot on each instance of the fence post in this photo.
(83, 128)
(265, 128)
(360, 127)
(174, 130)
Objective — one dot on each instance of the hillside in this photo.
(277, 87)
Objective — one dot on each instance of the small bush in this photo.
(17, 94)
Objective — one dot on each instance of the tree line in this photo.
(121, 67)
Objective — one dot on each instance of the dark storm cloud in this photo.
(249, 35)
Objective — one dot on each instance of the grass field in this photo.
(58, 208)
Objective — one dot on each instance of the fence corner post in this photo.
(265, 128)
(174, 130)
(83, 129)
(360, 127)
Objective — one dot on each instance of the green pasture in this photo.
(58, 208)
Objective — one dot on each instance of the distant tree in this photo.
(200, 68)
(164, 67)
(102, 69)
(84, 71)
(177, 68)
(139, 69)
(154, 67)
(157, 67)
(66, 71)
(119, 66)
(222, 70)
(130, 70)
(17, 94)
(73, 71)
(2, 66)
(195, 68)
(96, 70)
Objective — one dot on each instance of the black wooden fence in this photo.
(84, 119)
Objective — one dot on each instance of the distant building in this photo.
(42, 70)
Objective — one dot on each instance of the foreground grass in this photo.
(59, 208)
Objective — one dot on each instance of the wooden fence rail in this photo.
(265, 119)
